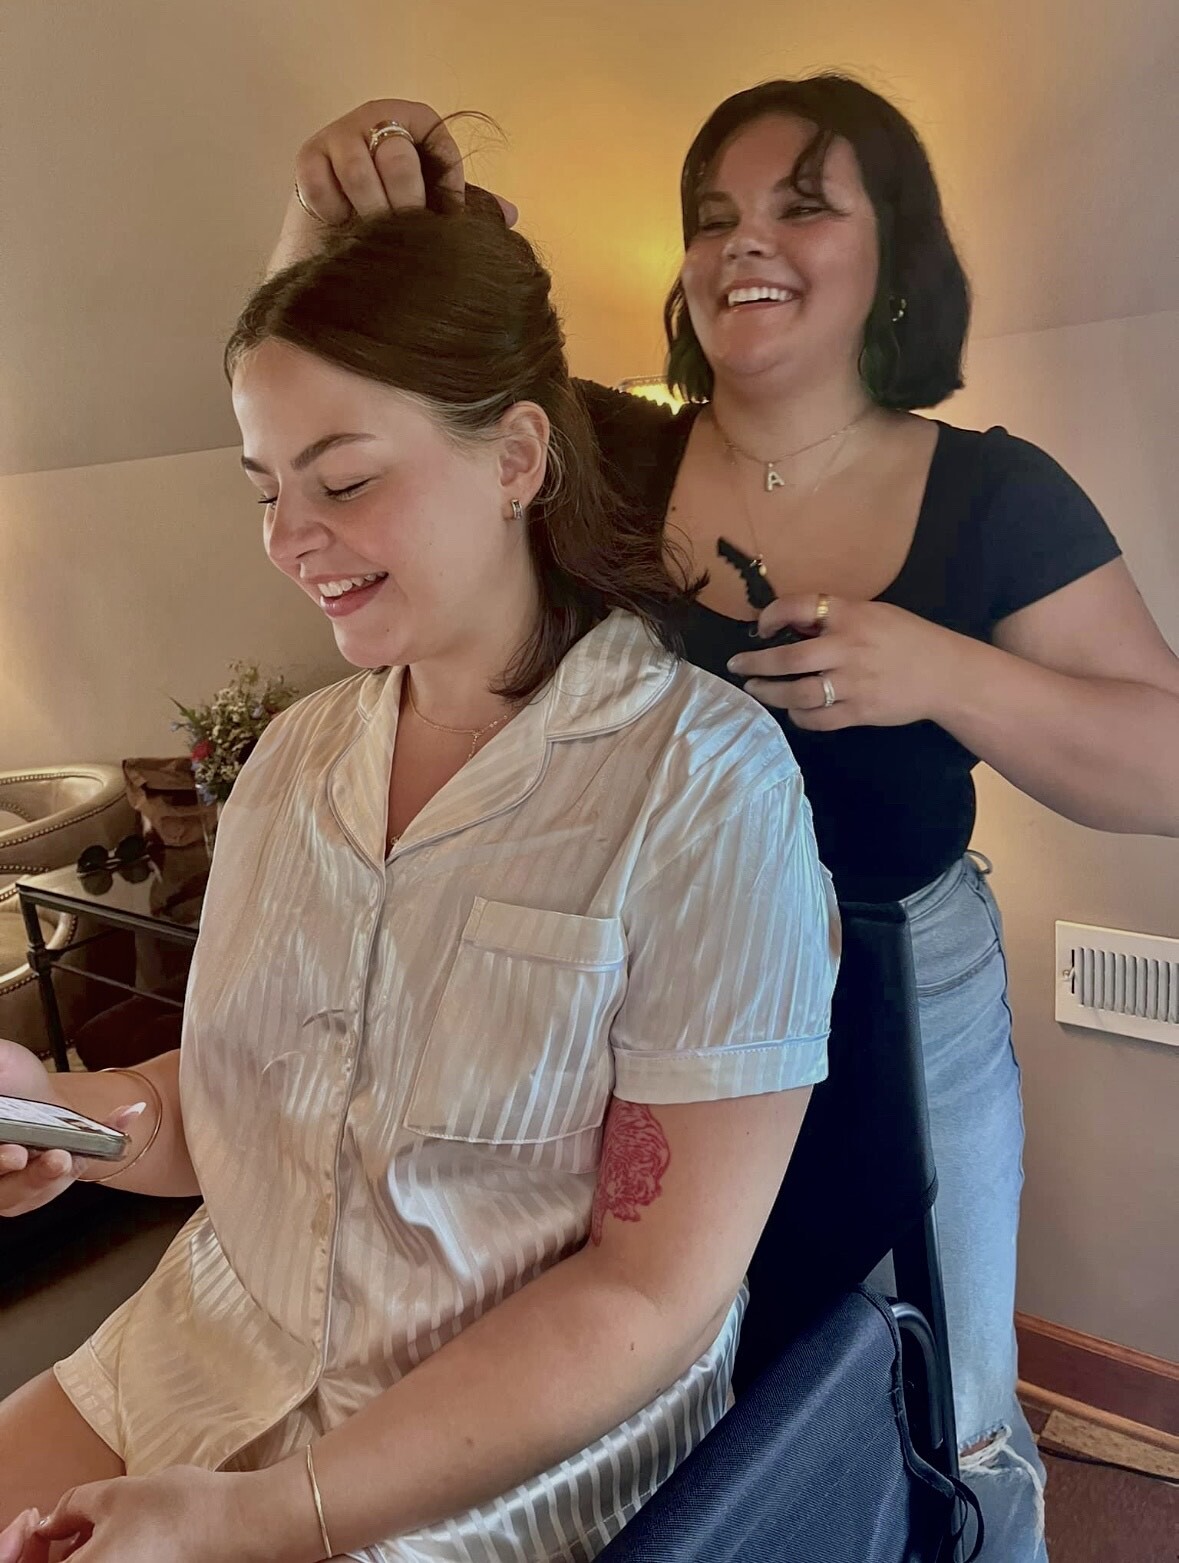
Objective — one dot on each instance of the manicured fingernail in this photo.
(125, 1113)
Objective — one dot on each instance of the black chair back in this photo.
(813, 1465)
(861, 1182)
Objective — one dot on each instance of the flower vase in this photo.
(210, 819)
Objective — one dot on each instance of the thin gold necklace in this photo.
(473, 733)
(732, 452)
(773, 478)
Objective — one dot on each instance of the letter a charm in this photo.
(773, 481)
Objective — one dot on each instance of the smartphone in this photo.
(41, 1126)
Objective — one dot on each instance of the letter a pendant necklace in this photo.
(773, 478)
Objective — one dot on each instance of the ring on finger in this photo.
(822, 608)
(828, 691)
(315, 217)
(387, 128)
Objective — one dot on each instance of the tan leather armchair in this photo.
(47, 817)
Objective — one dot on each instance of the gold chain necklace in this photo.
(473, 733)
(773, 478)
(733, 451)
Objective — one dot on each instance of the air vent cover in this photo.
(1123, 983)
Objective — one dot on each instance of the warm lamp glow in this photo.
(654, 389)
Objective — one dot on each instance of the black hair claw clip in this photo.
(759, 593)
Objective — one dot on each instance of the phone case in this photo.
(41, 1126)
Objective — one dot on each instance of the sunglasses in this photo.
(99, 859)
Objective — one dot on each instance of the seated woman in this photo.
(514, 972)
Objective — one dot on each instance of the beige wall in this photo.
(130, 583)
(146, 150)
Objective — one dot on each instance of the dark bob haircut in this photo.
(911, 361)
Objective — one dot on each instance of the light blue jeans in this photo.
(976, 1123)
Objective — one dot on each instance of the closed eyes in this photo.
(340, 494)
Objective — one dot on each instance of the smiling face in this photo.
(396, 530)
(779, 284)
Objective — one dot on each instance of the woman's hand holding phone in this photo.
(31, 1178)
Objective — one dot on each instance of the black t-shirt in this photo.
(1001, 525)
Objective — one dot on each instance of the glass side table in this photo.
(160, 896)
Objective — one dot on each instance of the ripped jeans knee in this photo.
(1009, 1486)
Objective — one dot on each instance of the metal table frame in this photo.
(44, 960)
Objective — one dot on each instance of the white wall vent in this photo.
(1123, 983)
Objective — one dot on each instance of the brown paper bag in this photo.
(164, 794)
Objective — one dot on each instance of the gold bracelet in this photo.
(151, 1139)
(328, 1550)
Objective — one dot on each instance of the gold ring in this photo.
(387, 128)
(828, 691)
(315, 217)
(822, 608)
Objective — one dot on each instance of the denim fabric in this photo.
(976, 1124)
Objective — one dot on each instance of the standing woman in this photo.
(972, 602)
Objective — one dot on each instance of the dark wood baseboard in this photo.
(1099, 1373)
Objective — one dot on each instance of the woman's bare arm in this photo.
(567, 1358)
(166, 1169)
(1077, 704)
